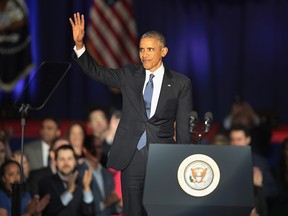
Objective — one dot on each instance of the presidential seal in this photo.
(198, 175)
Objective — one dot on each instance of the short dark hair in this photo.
(56, 139)
(65, 147)
(7, 163)
(56, 121)
(99, 108)
(157, 35)
(240, 127)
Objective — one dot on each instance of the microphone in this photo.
(208, 120)
(193, 121)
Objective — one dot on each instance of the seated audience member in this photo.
(280, 172)
(10, 174)
(69, 195)
(220, 139)
(264, 184)
(98, 126)
(38, 150)
(26, 167)
(242, 113)
(98, 123)
(36, 175)
(76, 135)
(102, 185)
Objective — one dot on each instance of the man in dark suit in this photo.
(144, 120)
(36, 175)
(102, 184)
(68, 195)
(38, 150)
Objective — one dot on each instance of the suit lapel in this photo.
(138, 86)
(165, 92)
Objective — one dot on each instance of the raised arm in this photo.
(78, 28)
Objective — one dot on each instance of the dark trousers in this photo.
(132, 182)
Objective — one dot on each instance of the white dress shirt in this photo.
(45, 153)
(157, 83)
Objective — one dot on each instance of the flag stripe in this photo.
(112, 34)
(102, 37)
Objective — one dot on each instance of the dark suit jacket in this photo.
(175, 103)
(34, 178)
(269, 184)
(55, 187)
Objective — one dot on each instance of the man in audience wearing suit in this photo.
(106, 201)
(36, 175)
(69, 196)
(38, 150)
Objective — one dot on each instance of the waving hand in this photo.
(78, 28)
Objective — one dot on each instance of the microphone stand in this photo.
(17, 186)
(194, 130)
(59, 70)
(201, 135)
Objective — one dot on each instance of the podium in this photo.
(170, 166)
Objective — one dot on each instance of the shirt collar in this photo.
(158, 73)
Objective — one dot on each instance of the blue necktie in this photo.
(148, 92)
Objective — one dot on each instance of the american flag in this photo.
(111, 33)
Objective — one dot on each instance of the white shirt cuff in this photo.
(87, 197)
(80, 51)
(66, 197)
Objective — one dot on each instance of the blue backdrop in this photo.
(226, 47)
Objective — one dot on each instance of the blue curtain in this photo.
(228, 48)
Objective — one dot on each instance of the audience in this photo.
(87, 187)
(242, 113)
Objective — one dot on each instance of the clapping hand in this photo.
(87, 178)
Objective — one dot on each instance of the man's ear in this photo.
(164, 51)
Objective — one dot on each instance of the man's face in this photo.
(98, 122)
(238, 138)
(49, 131)
(151, 52)
(66, 162)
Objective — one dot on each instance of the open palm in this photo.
(78, 28)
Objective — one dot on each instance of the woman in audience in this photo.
(76, 134)
(10, 174)
(26, 167)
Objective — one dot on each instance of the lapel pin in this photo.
(169, 85)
